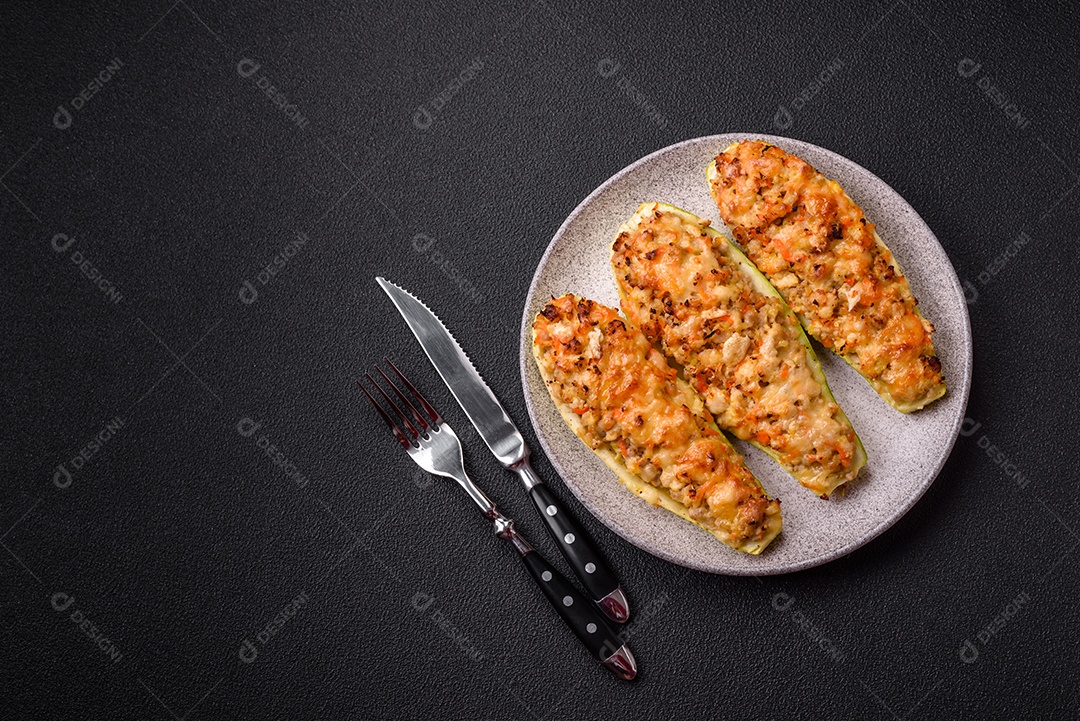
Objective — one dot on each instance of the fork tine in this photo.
(389, 421)
(404, 399)
(390, 401)
(434, 414)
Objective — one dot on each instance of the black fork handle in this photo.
(583, 618)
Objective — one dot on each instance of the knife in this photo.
(505, 441)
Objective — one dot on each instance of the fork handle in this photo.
(583, 618)
(581, 554)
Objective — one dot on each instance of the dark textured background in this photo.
(179, 180)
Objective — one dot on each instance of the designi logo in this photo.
(248, 652)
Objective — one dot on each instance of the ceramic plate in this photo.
(905, 451)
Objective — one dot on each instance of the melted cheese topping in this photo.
(825, 258)
(629, 399)
(740, 348)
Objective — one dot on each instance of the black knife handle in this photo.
(581, 616)
(581, 554)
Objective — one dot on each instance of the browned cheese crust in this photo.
(740, 348)
(823, 255)
(628, 398)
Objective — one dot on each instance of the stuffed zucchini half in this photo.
(708, 309)
(826, 259)
(621, 398)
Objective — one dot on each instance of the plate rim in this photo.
(525, 357)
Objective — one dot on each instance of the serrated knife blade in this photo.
(504, 439)
(457, 371)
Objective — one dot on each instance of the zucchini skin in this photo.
(627, 270)
(906, 372)
(752, 543)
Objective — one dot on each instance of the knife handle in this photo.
(582, 617)
(581, 554)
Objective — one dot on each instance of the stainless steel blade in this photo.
(457, 371)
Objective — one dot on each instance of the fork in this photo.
(432, 444)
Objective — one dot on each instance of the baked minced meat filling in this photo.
(742, 349)
(621, 394)
(821, 252)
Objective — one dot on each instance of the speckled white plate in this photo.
(905, 452)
